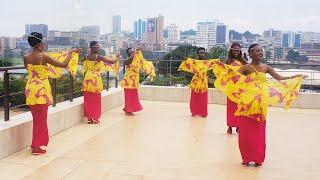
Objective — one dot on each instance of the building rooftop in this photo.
(164, 142)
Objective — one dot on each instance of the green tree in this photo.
(179, 53)
(102, 52)
(295, 57)
(84, 46)
(217, 52)
(147, 54)
(17, 85)
(8, 53)
(268, 54)
(5, 62)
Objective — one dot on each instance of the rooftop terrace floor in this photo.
(163, 142)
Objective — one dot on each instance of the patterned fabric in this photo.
(236, 63)
(232, 120)
(56, 72)
(131, 77)
(92, 81)
(38, 90)
(111, 67)
(254, 93)
(199, 68)
(93, 69)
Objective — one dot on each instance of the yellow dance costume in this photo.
(38, 90)
(199, 68)
(93, 69)
(254, 93)
(131, 76)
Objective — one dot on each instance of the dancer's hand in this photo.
(75, 50)
(118, 55)
(300, 75)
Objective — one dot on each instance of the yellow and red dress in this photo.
(130, 81)
(253, 94)
(38, 98)
(198, 84)
(91, 88)
(93, 85)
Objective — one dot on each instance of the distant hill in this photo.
(236, 35)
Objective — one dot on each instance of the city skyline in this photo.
(240, 16)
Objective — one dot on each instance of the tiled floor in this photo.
(164, 143)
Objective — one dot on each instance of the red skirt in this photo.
(40, 135)
(252, 140)
(131, 99)
(92, 105)
(232, 120)
(199, 103)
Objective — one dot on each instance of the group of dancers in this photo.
(245, 84)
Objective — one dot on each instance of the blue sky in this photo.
(241, 15)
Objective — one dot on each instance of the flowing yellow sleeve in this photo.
(254, 93)
(211, 63)
(187, 65)
(73, 64)
(285, 92)
(56, 72)
(148, 68)
(111, 67)
(227, 77)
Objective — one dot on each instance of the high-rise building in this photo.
(116, 24)
(297, 40)
(52, 34)
(173, 34)
(206, 34)
(272, 37)
(154, 39)
(40, 28)
(7, 43)
(115, 41)
(222, 34)
(310, 37)
(291, 40)
(140, 27)
(2, 45)
(286, 39)
(92, 30)
(272, 33)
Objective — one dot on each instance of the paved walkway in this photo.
(164, 143)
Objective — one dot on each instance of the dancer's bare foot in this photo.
(90, 121)
(245, 163)
(127, 113)
(95, 121)
(258, 164)
(38, 151)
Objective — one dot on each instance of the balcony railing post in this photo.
(170, 73)
(72, 88)
(108, 81)
(124, 68)
(6, 97)
(54, 92)
(116, 81)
